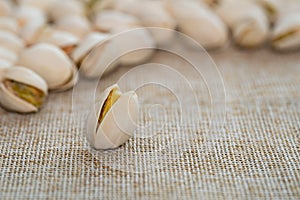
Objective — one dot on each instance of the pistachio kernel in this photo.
(113, 96)
(28, 93)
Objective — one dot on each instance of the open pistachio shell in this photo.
(8, 55)
(286, 34)
(49, 62)
(113, 121)
(197, 21)
(22, 90)
(11, 42)
(4, 65)
(77, 25)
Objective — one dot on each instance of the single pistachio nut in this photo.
(286, 34)
(9, 24)
(247, 21)
(271, 8)
(86, 45)
(22, 90)
(62, 39)
(51, 63)
(27, 14)
(140, 40)
(199, 22)
(5, 7)
(11, 42)
(108, 20)
(151, 14)
(77, 25)
(8, 55)
(31, 32)
(60, 9)
(113, 120)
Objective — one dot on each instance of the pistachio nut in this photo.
(197, 21)
(247, 21)
(22, 90)
(8, 55)
(9, 24)
(286, 34)
(11, 42)
(271, 8)
(62, 39)
(86, 45)
(27, 14)
(113, 120)
(31, 32)
(5, 7)
(108, 20)
(60, 9)
(51, 63)
(139, 39)
(77, 25)
(151, 14)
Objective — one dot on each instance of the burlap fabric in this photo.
(44, 155)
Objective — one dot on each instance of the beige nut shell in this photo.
(119, 123)
(198, 22)
(49, 62)
(22, 75)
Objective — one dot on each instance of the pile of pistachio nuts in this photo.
(43, 43)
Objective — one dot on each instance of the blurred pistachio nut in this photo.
(250, 33)
(31, 31)
(197, 21)
(113, 120)
(51, 63)
(139, 41)
(8, 55)
(9, 24)
(27, 14)
(247, 21)
(62, 39)
(11, 42)
(86, 45)
(77, 25)
(60, 9)
(108, 20)
(271, 8)
(153, 14)
(22, 90)
(286, 34)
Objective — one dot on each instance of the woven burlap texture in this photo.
(45, 155)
